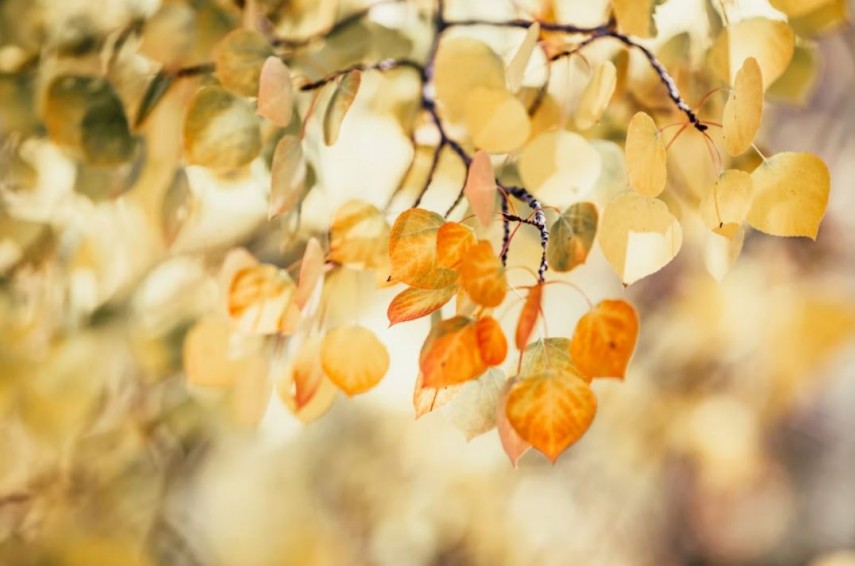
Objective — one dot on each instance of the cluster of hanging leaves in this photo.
(249, 105)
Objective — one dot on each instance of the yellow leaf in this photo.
(415, 303)
(728, 202)
(604, 339)
(512, 443)
(571, 237)
(790, 195)
(825, 19)
(770, 42)
(559, 167)
(645, 156)
(304, 388)
(359, 235)
(743, 109)
(638, 236)
(239, 57)
(287, 176)
(482, 275)
(339, 105)
(259, 297)
(797, 83)
(551, 410)
(453, 241)
(796, 8)
(275, 92)
(549, 354)
(721, 250)
(412, 250)
(529, 316)
(497, 121)
(519, 62)
(250, 397)
(220, 130)
(428, 399)
(209, 359)
(635, 17)
(462, 65)
(596, 96)
(311, 272)
(354, 359)
(480, 187)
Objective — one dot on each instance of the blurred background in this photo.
(731, 441)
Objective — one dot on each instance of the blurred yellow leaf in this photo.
(770, 42)
(473, 409)
(462, 65)
(354, 359)
(635, 17)
(359, 235)
(571, 237)
(728, 202)
(220, 130)
(519, 62)
(275, 92)
(239, 57)
(744, 108)
(259, 297)
(311, 272)
(798, 81)
(559, 167)
(645, 156)
(721, 250)
(796, 8)
(287, 176)
(480, 187)
(339, 105)
(596, 96)
(304, 388)
(497, 121)
(604, 339)
(209, 358)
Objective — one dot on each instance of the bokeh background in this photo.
(731, 441)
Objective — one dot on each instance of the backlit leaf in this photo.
(497, 121)
(258, 298)
(415, 303)
(473, 408)
(359, 235)
(512, 443)
(744, 108)
(790, 195)
(287, 176)
(480, 187)
(638, 235)
(304, 388)
(549, 354)
(722, 250)
(462, 65)
(799, 80)
(635, 17)
(311, 272)
(604, 339)
(482, 275)
(596, 96)
(645, 156)
(275, 92)
(770, 42)
(728, 201)
(571, 237)
(453, 241)
(529, 316)
(492, 344)
(354, 358)
(519, 62)
(239, 57)
(428, 399)
(339, 105)
(220, 130)
(412, 250)
(209, 360)
(559, 167)
(796, 8)
(551, 410)
(451, 353)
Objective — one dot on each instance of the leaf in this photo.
(415, 303)
(359, 236)
(239, 57)
(275, 92)
(605, 339)
(220, 130)
(520, 60)
(250, 397)
(428, 399)
(497, 121)
(825, 19)
(796, 8)
(492, 345)
(596, 96)
(790, 195)
(287, 176)
(645, 156)
(770, 42)
(354, 359)
(744, 109)
(154, 93)
(453, 241)
(178, 206)
(482, 275)
(638, 236)
(559, 167)
(258, 298)
(512, 443)
(473, 408)
(451, 353)
(339, 105)
(798, 82)
(635, 17)
(549, 354)
(208, 357)
(480, 187)
(311, 272)
(412, 250)
(571, 237)
(728, 202)
(551, 410)
(462, 65)
(305, 376)
(722, 250)
(529, 316)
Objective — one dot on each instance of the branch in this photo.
(384, 65)
(539, 222)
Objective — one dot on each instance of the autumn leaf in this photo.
(571, 237)
(287, 176)
(209, 360)
(304, 388)
(461, 66)
(605, 339)
(645, 156)
(258, 298)
(482, 275)
(412, 250)
(596, 96)
(492, 344)
(480, 187)
(311, 272)
(529, 316)
(275, 92)
(428, 399)
(497, 120)
(473, 409)
(549, 354)
(220, 130)
(414, 303)
(339, 105)
(519, 62)
(559, 167)
(453, 242)
(354, 359)
(359, 236)
(635, 17)
(459, 349)
(551, 410)
(744, 109)
(770, 42)
(727, 204)
(512, 443)
(239, 57)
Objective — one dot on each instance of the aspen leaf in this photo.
(722, 250)
(412, 250)
(605, 339)
(645, 156)
(480, 187)
(342, 99)
(208, 361)
(239, 57)
(551, 410)
(304, 388)
(571, 237)
(354, 359)
(250, 397)
(497, 121)
(770, 42)
(311, 272)
(790, 195)
(428, 399)
(798, 82)
(596, 96)
(415, 303)
(728, 201)
(825, 19)
(635, 17)
(154, 93)
(220, 130)
(359, 235)
(492, 344)
(638, 236)
(473, 409)
(451, 353)
(482, 275)
(453, 241)
(287, 176)
(529, 316)
(512, 443)
(519, 62)
(275, 92)
(560, 167)
(796, 8)
(549, 354)
(743, 109)
(258, 298)
(462, 65)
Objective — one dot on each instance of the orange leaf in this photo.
(492, 344)
(304, 389)
(311, 270)
(453, 240)
(605, 339)
(451, 353)
(412, 250)
(358, 235)
(427, 399)
(551, 410)
(354, 359)
(529, 316)
(512, 443)
(414, 303)
(482, 275)
(480, 187)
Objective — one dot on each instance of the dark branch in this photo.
(539, 222)
(384, 65)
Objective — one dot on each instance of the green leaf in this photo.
(571, 237)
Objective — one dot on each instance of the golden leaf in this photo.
(645, 156)
(743, 109)
(596, 96)
(412, 250)
(604, 339)
(339, 105)
(354, 359)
